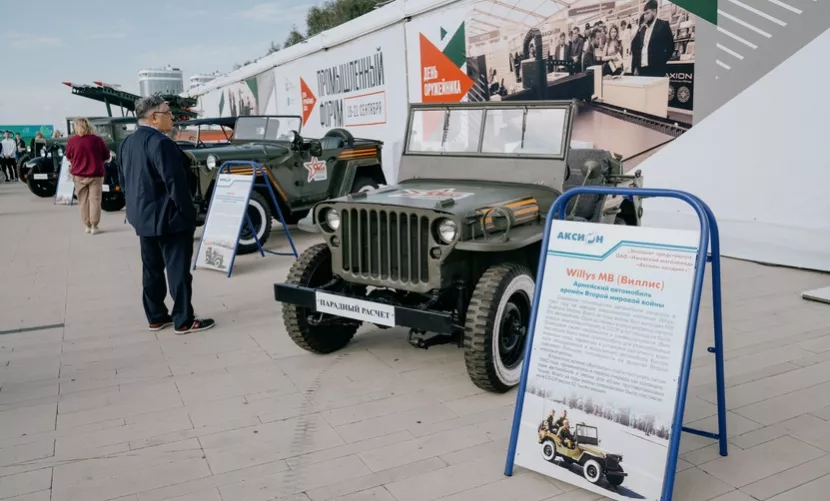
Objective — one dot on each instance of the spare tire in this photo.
(343, 134)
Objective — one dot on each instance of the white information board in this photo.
(66, 186)
(607, 354)
(225, 218)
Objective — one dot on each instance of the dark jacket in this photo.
(576, 47)
(585, 61)
(155, 183)
(660, 47)
(555, 52)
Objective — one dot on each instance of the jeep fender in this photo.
(587, 455)
(353, 170)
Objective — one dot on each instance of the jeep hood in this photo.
(455, 197)
(252, 151)
(597, 451)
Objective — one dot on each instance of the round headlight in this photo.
(43, 152)
(332, 219)
(60, 152)
(211, 162)
(447, 230)
(28, 149)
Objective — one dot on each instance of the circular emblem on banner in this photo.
(683, 94)
(671, 92)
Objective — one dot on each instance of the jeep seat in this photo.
(588, 205)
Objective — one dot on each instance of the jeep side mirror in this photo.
(315, 149)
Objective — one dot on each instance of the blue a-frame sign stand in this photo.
(258, 172)
(708, 234)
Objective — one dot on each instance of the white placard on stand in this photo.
(225, 217)
(66, 186)
(608, 348)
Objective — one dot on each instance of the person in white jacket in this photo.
(9, 154)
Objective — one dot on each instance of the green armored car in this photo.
(301, 171)
(451, 251)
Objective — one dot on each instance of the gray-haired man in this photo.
(160, 208)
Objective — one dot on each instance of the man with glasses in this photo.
(160, 208)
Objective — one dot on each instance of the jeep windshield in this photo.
(266, 128)
(534, 131)
(207, 133)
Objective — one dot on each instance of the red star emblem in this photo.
(316, 170)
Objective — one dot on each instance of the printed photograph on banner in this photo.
(629, 63)
(225, 219)
(606, 357)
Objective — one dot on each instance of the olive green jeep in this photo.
(451, 251)
(301, 171)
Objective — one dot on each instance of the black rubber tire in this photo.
(112, 204)
(22, 170)
(262, 217)
(313, 269)
(481, 322)
(346, 136)
(363, 182)
(40, 188)
(615, 481)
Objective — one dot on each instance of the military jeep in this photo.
(41, 172)
(452, 251)
(302, 172)
(584, 451)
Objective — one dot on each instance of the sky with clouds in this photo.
(105, 40)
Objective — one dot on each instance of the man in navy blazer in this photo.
(160, 208)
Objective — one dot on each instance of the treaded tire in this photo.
(485, 370)
(259, 208)
(40, 188)
(313, 269)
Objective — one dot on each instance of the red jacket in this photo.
(87, 155)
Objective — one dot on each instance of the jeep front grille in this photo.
(386, 245)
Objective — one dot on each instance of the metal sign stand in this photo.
(708, 234)
(258, 172)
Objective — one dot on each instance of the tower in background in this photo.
(167, 80)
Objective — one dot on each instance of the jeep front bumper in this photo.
(363, 310)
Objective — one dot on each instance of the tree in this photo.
(275, 47)
(294, 37)
(336, 12)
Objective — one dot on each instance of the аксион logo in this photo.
(590, 238)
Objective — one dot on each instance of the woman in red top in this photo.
(87, 153)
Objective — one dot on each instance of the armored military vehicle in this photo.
(302, 172)
(451, 252)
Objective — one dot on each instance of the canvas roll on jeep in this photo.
(301, 171)
(451, 252)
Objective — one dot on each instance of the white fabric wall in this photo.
(761, 163)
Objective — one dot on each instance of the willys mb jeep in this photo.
(301, 172)
(41, 172)
(452, 251)
(585, 452)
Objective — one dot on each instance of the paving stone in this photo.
(25, 483)
(789, 479)
(123, 414)
(744, 467)
(816, 490)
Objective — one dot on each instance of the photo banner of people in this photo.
(630, 62)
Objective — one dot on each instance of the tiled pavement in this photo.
(100, 409)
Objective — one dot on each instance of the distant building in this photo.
(167, 80)
(197, 80)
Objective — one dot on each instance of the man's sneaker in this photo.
(197, 325)
(157, 326)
